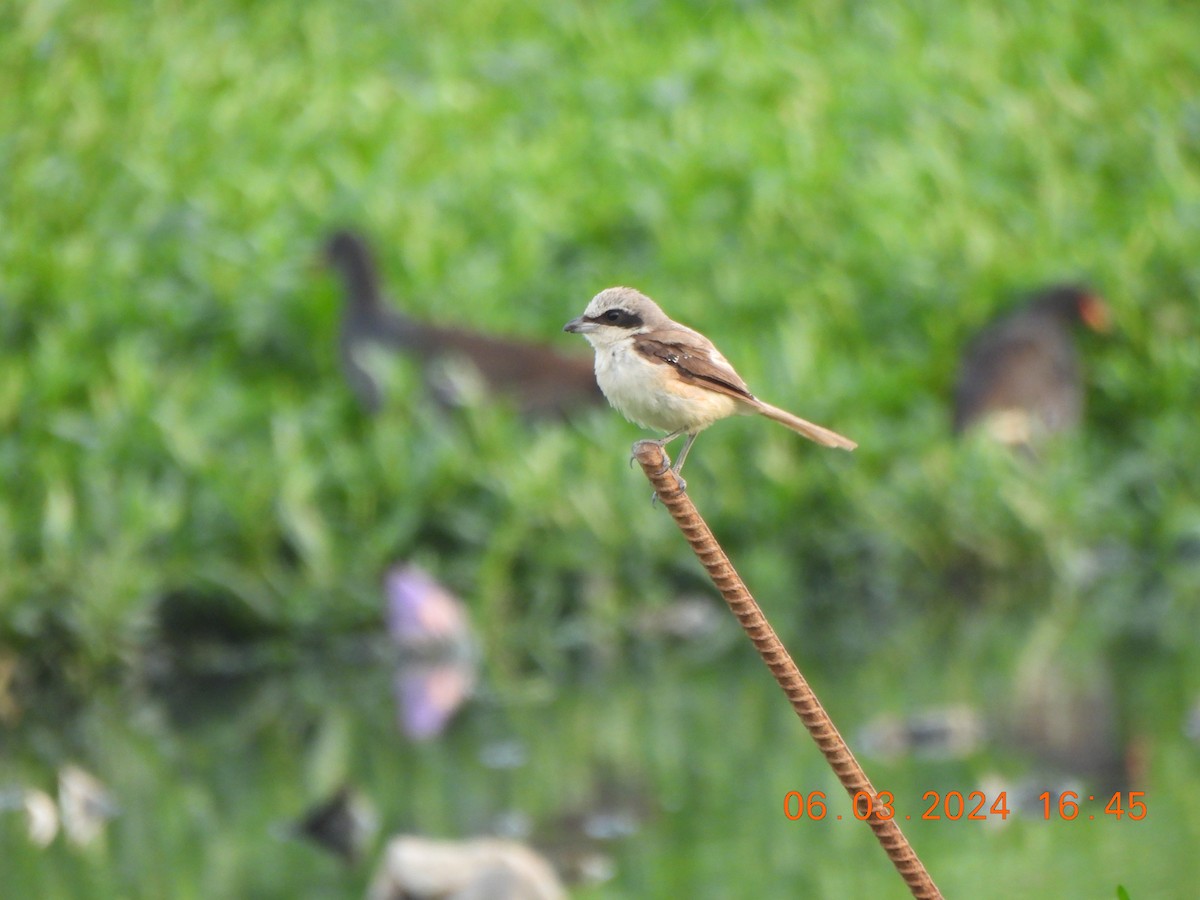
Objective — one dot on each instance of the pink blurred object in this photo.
(421, 613)
(430, 623)
(429, 694)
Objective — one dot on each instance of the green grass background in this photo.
(842, 193)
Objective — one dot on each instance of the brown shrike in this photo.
(665, 376)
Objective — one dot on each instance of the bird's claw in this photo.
(660, 445)
(682, 489)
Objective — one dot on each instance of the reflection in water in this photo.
(437, 675)
(416, 868)
(680, 751)
(85, 805)
(580, 839)
(344, 824)
(41, 815)
(951, 732)
(1065, 718)
(1191, 727)
(428, 694)
(686, 618)
(10, 709)
(422, 615)
(1059, 718)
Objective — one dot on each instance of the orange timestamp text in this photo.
(972, 807)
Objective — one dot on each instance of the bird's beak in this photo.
(579, 325)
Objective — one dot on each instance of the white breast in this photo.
(652, 395)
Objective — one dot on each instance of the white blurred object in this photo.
(41, 815)
(951, 732)
(687, 618)
(416, 868)
(85, 805)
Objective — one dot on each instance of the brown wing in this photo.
(695, 364)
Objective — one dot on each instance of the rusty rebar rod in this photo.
(655, 464)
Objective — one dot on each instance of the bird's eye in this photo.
(618, 318)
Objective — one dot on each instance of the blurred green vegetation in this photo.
(840, 193)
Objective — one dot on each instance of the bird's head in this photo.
(344, 248)
(1077, 303)
(615, 314)
(349, 255)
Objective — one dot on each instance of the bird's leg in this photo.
(687, 445)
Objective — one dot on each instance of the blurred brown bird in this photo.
(1021, 375)
(536, 378)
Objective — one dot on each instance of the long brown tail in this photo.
(810, 430)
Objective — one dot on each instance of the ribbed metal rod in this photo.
(654, 463)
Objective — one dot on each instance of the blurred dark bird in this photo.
(538, 379)
(343, 824)
(1020, 377)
